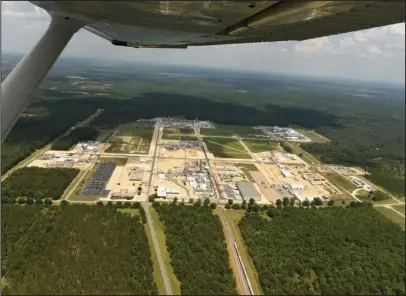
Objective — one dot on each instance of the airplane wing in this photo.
(179, 24)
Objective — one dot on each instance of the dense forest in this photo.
(334, 251)
(197, 247)
(38, 183)
(74, 250)
(47, 121)
(79, 134)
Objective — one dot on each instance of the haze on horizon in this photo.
(374, 54)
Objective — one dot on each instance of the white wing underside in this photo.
(179, 24)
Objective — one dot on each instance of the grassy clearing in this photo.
(233, 218)
(186, 131)
(392, 215)
(117, 160)
(400, 208)
(340, 181)
(230, 130)
(182, 134)
(73, 184)
(257, 146)
(74, 196)
(160, 234)
(135, 130)
(157, 272)
(132, 212)
(226, 148)
(313, 135)
(380, 196)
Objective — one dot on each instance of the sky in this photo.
(374, 54)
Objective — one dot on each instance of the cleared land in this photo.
(182, 134)
(333, 251)
(257, 146)
(340, 181)
(376, 198)
(231, 130)
(313, 135)
(131, 138)
(233, 218)
(392, 215)
(400, 208)
(226, 148)
(161, 237)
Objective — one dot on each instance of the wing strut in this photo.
(20, 85)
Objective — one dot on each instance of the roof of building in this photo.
(247, 189)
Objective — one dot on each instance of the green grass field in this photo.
(400, 208)
(132, 212)
(233, 218)
(136, 130)
(226, 148)
(230, 130)
(182, 134)
(160, 234)
(383, 197)
(392, 215)
(257, 146)
(340, 181)
(118, 160)
(313, 135)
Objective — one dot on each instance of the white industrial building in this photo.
(163, 192)
(296, 186)
(286, 173)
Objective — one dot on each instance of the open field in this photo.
(117, 160)
(313, 135)
(257, 146)
(131, 138)
(135, 130)
(226, 148)
(233, 218)
(392, 215)
(156, 274)
(182, 134)
(341, 181)
(231, 130)
(76, 197)
(400, 208)
(161, 237)
(381, 197)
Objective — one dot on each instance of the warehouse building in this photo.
(248, 190)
